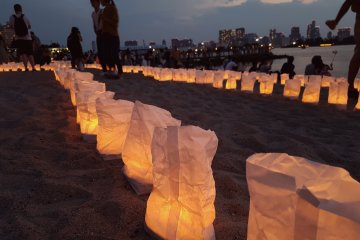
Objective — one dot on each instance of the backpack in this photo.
(21, 29)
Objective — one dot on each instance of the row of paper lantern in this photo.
(161, 157)
(338, 87)
(290, 197)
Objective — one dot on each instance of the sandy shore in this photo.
(55, 186)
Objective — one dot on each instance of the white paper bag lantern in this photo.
(230, 83)
(181, 204)
(209, 77)
(191, 76)
(292, 198)
(114, 122)
(274, 77)
(284, 77)
(218, 79)
(235, 75)
(315, 79)
(326, 81)
(302, 78)
(166, 74)
(338, 93)
(247, 83)
(266, 85)
(312, 92)
(86, 106)
(292, 88)
(200, 77)
(341, 79)
(86, 86)
(137, 147)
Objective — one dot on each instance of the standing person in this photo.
(4, 58)
(97, 24)
(110, 35)
(36, 43)
(74, 44)
(21, 25)
(355, 61)
(288, 67)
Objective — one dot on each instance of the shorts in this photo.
(24, 47)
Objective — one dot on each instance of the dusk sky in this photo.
(155, 20)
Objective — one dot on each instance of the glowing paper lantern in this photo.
(302, 78)
(218, 79)
(191, 76)
(326, 81)
(314, 79)
(274, 77)
(200, 77)
(181, 204)
(292, 198)
(312, 92)
(292, 88)
(86, 106)
(266, 84)
(83, 85)
(247, 83)
(137, 147)
(209, 77)
(113, 124)
(165, 74)
(284, 77)
(230, 83)
(338, 93)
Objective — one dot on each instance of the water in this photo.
(303, 57)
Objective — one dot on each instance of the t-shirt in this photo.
(96, 17)
(26, 20)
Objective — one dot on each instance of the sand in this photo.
(54, 185)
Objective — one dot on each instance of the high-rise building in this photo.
(231, 36)
(295, 34)
(343, 33)
(250, 38)
(313, 31)
(272, 34)
(182, 43)
(7, 33)
(131, 43)
(279, 40)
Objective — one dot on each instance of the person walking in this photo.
(110, 36)
(97, 24)
(4, 58)
(355, 60)
(21, 24)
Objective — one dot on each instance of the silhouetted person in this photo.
(4, 58)
(355, 61)
(21, 24)
(74, 44)
(288, 67)
(97, 25)
(254, 67)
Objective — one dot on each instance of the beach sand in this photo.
(54, 185)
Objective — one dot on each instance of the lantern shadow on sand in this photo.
(181, 204)
(292, 198)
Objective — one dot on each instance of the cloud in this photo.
(287, 1)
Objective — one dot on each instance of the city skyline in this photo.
(199, 20)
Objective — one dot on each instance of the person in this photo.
(110, 36)
(265, 66)
(36, 43)
(74, 44)
(288, 67)
(317, 67)
(4, 58)
(254, 67)
(355, 60)
(231, 65)
(21, 24)
(97, 25)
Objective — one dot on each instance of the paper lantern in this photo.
(234, 75)
(209, 77)
(292, 88)
(338, 93)
(218, 79)
(302, 78)
(191, 76)
(326, 81)
(137, 147)
(113, 124)
(83, 85)
(314, 79)
(247, 83)
(341, 79)
(181, 204)
(312, 92)
(274, 77)
(230, 83)
(292, 198)
(165, 74)
(284, 77)
(86, 106)
(266, 84)
(357, 84)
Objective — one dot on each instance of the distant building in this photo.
(280, 40)
(182, 43)
(207, 44)
(7, 33)
(251, 38)
(343, 33)
(313, 31)
(132, 43)
(295, 34)
(231, 36)
(163, 43)
(272, 35)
